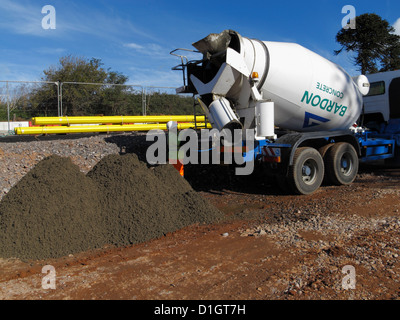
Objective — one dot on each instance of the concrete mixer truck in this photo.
(303, 108)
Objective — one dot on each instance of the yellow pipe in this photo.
(114, 119)
(103, 128)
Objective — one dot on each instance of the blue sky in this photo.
(135, 37)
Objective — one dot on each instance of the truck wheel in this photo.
(342, 164)
(323, 151)
(307, 172)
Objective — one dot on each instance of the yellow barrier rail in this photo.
(40, 121)
(103, 128)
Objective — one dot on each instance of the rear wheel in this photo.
(323, 151)
(307, 172)
(342, 163)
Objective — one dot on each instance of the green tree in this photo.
(14, 98)
(89, 89)
(114, 95)
(84, 90)
(391, 59)
(374, 43)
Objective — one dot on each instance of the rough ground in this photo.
(272, 246)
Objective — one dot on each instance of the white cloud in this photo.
(21, 19)
(151, 49)
(71, 19)
(49, 50)
(103, 29)
(19, 72)
(396, 26)
(134, 46)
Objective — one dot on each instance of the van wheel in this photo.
(307, 172)
(342, 164)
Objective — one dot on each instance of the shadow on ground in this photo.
(209, 178)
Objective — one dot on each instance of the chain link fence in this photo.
(22, 100)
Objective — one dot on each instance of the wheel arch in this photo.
(317, 140)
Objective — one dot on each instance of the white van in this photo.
(383, 100)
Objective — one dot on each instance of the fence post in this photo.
(57, 83)
(143, 101)
(8, 108)
(61, 99)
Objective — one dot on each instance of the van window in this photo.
(376, 88)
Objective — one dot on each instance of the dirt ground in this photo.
(274, 247)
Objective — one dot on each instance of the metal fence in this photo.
(99, 98)
(17, 100)
(22, 100)
(164, 100)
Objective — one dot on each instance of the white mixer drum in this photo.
(310, 93)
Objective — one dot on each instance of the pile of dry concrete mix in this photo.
(56, 210)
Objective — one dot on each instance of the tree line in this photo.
(87, 88)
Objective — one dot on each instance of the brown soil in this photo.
(271, 246)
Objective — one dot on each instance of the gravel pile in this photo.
(141, 203)
(19, 155)
(325, 244)
(56, 210)
(53, 210)
(340, 229)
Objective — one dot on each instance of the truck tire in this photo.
(342, 164)
(307, 172)
(323, 151)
